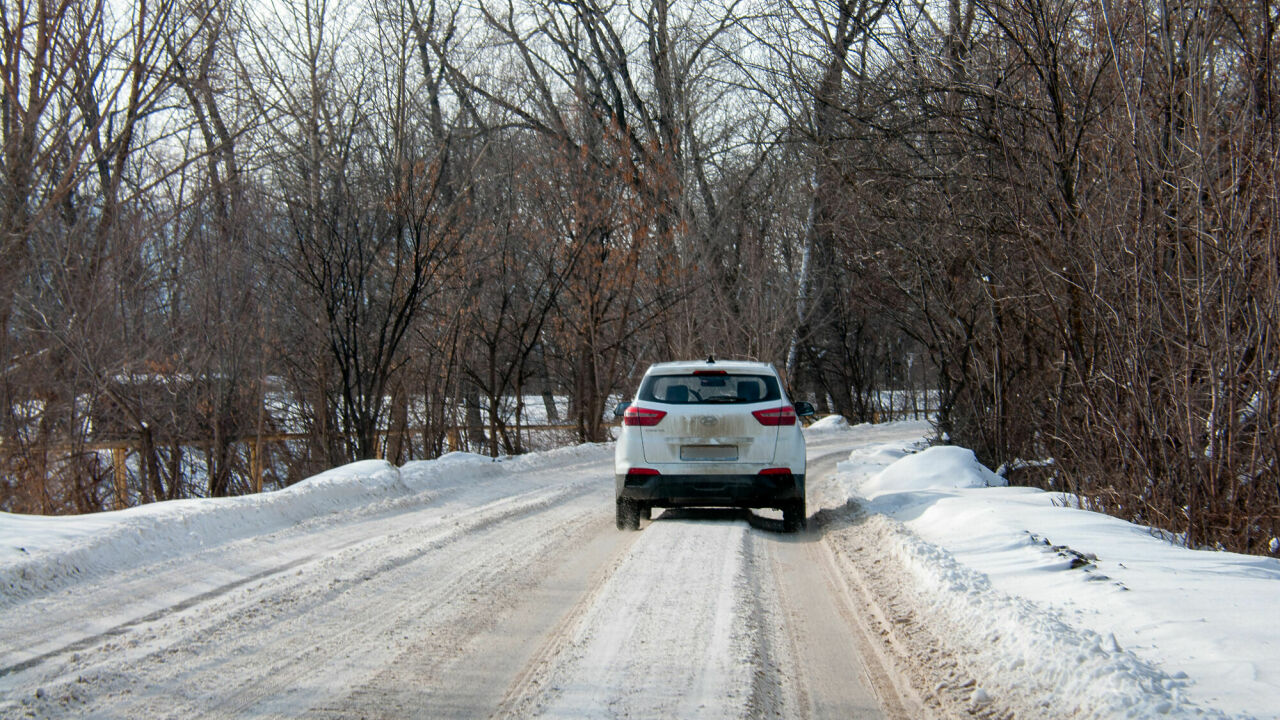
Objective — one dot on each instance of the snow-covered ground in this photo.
(39, 554)
(1068, 607)
(1024, 605)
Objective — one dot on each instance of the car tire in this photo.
(793, 516)
(628, 515)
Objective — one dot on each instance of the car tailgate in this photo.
(709, 433)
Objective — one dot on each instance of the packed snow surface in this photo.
(40, 553)
(628, 660)
(1050, 607)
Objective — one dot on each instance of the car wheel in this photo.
(793, 516)
(628, 515)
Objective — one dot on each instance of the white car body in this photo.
(708, 433)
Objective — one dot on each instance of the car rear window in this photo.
(703, 387)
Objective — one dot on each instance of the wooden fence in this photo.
(121, 447)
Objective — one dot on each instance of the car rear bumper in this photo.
(711, 490)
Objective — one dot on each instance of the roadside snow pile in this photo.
(880, 454)
(584, 453)
(1022, 651)
(39, 554)
(941, 466)
(830, 423)
(1078, 612)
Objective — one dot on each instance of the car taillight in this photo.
(643, 471)
(648, 417)
(785, 415)
(776, 471)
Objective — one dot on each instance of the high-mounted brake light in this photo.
(710, 372)
(785, 415)
(644, 417)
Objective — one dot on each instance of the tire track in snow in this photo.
(281, 644)
(87, 642)
(416, 587)
(702, 618)
(654, 644)
(690, 617)
(41, 626)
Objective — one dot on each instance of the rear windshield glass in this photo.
(693, 389)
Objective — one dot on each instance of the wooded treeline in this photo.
(223, 219)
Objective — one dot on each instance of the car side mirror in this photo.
(804, 409)
(622, 408)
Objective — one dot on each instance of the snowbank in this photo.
(1068, 609)
(942, 466)
(830, 423)
(39, 554)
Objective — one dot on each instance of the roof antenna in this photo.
(711, 359)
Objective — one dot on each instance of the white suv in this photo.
(710, 434)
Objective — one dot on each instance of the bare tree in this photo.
(370, 221)
(83, 148)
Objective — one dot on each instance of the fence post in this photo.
(122, 477)
(255, 464)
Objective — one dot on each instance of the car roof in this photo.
(684, 366)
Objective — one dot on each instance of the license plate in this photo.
(718, 453)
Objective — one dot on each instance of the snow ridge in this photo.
(1109, 622)
(43, 554)
(1023, 652)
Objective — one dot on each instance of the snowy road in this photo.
(463, 588)
(510, 594)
